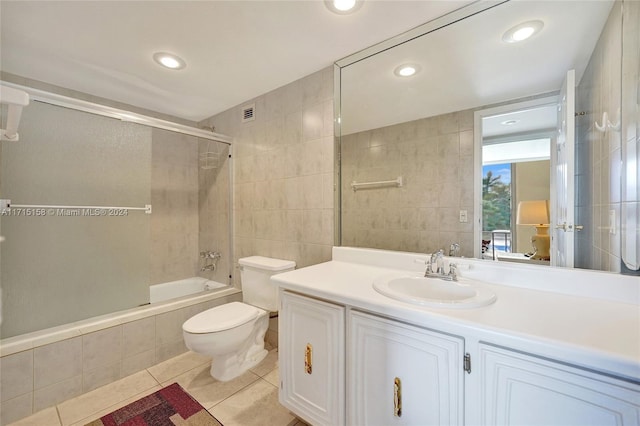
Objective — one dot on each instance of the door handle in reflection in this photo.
(569, 228)
(308, 359)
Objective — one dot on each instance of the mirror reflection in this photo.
(448, 140)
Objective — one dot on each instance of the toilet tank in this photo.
(257, 288)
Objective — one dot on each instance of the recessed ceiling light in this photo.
(406, 70)
(510, 122)
(169, 60)
(343, 7)
(522, 32)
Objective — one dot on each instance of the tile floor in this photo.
(251, 399)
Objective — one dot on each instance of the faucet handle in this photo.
(453, 271)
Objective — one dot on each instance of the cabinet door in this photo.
(519, 389)
(312, 362)
(402, 375)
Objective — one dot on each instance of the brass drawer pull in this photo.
(308, 359)
(397, 397)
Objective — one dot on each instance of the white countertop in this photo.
(575, 326)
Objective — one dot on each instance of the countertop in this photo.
(601, 335)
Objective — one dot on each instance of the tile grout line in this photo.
(173, 377)
(236, 392)
(58, 414)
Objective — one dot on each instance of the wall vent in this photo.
(248, 113)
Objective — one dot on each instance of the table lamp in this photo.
(536, 213)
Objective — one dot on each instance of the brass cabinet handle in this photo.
(308, 359)
(397, 397)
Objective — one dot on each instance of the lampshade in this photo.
(533, 212)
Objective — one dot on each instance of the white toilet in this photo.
(233, 334)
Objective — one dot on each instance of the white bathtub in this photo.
(181, 288)
(166, 297)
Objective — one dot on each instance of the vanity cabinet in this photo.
(312, 359)
(340, 365)
(399, 374)
(522, 389)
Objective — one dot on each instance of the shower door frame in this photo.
(133, 117)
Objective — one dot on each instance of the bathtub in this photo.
(181, 288)
(176, 299)
(127, 333)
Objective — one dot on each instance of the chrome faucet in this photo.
(453, 272)
(454, 250)
(210, 260)
(437, 259)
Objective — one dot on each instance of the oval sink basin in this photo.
(434, 292)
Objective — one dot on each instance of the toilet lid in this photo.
(220, 318)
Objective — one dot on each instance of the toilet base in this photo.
(228, 367)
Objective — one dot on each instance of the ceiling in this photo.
(234, 50)
(531, 120)
(467, 65)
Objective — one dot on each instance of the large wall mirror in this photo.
(504, 130)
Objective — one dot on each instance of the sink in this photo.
(434, 292)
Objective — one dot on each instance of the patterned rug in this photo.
(170, 406)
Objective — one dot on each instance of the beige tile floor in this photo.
(251, 399)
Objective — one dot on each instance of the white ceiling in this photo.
(235, 50)
(526, 121)
(467, 65)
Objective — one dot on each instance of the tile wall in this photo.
(598, 154)
(174, 197)
(190, 207)
(434, 156)
(213, 207)
(283, 171)
(38, 378)
(283, 174)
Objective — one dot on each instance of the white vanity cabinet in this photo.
(312, 359)
(399, 374)
(340, 365)
(519, 389)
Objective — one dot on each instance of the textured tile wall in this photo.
(213, 206)
(598, 154)
(190, 207)
(435, 158)
(42, 377)
(283, 172)
(174, 197)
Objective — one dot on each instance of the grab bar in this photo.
(6, 204)
(360, 185)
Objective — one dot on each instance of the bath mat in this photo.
(170, 406)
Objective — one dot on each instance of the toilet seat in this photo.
(223, 317)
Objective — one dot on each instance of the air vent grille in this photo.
(249, 113)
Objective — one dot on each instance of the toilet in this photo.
(233, 333)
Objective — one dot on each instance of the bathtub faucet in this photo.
(210, 260)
